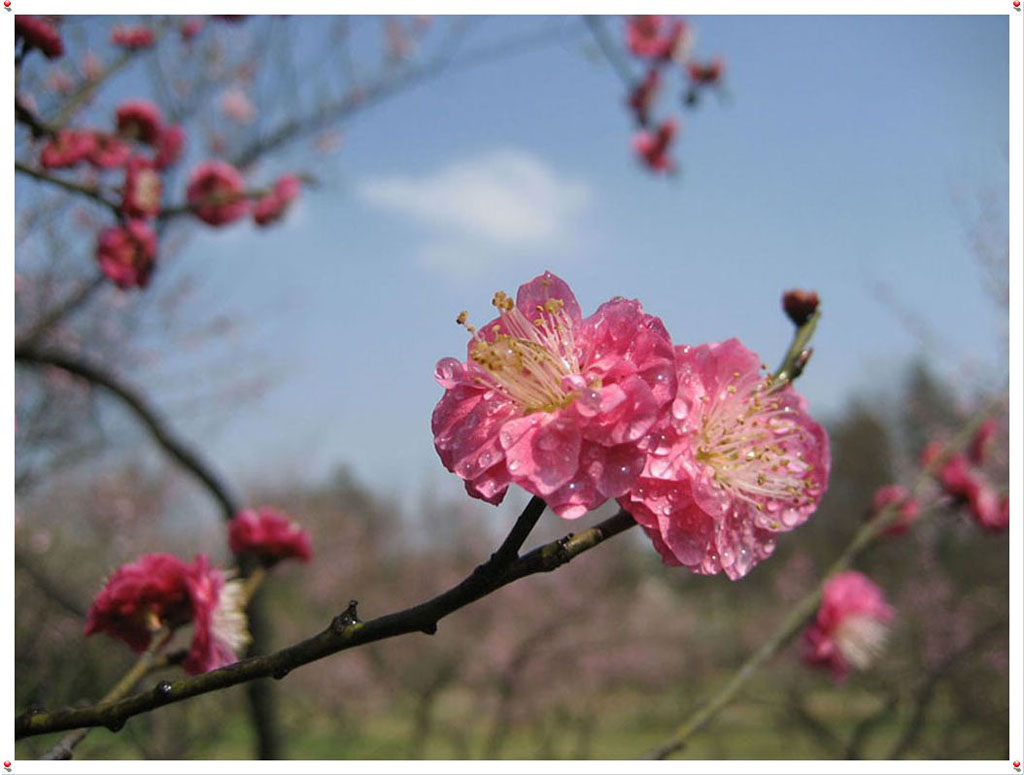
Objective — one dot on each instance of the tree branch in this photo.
(176, 448)
(344, 632)
(93, 192)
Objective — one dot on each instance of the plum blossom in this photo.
(39, 33)
(981, 443)
(132, 38)
(707, 74)
(127, 254)
(967, 484)
(143, 188)
(237, 106)
(642, 96)
(908, 507)
(109, 151)
(216, 193)
(555, 402)
(161, 591)
(269, 535)
(851, 627)
(220, 631)
(70, 147)
(190, 28)
(736, 461)
(655, 37)
(652, 147)
(270, 208)
(169, 147)
(139, 120)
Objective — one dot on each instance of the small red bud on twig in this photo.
(799, 305)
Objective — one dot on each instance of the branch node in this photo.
(346, 618)
(163, 690)
(429, 629)
(115, 724)
(280, 673)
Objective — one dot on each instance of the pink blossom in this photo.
(191, 28)
(237, 106)
(967, 485)
(269, 535)
(271, 207)
(642, 96)
(559, 404)
(140, 598)
(655, 37)
(652, 147)
(142, 189)
(169, 147)
(39, 33)
(139, 120)
(220, 631)
(71, 147)
(908, 508)
(127, 254)
(708, 74)
(980, 445)
(851, 627)
(216, 193)
(132, 38)
(736, 461)
(160, 591)
(109, 151)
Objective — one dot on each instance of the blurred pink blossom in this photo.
(127, 254)
(851, 627)
(269, 535)
(139, 120)
(216, 193)
(896, 495)
(143, 188)
(236, 105)
(132, 37)
(69, 148)
(652, 147)
(270, 208)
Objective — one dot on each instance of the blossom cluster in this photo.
(142, 147)
(713, 457)
(963, 479)
(661, 44)
(162, 593)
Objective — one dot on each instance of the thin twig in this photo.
(93, 192)
(175, 447)
(142, 667)
(344, 632)
(61, 310)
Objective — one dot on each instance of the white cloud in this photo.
(494, 207)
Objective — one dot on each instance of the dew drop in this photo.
(513, 465)
(163, 690)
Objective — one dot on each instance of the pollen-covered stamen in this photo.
(861, 639)
(748, 437)
(528, 360)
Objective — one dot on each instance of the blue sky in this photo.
(836, 164)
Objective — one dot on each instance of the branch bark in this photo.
(344, 632)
